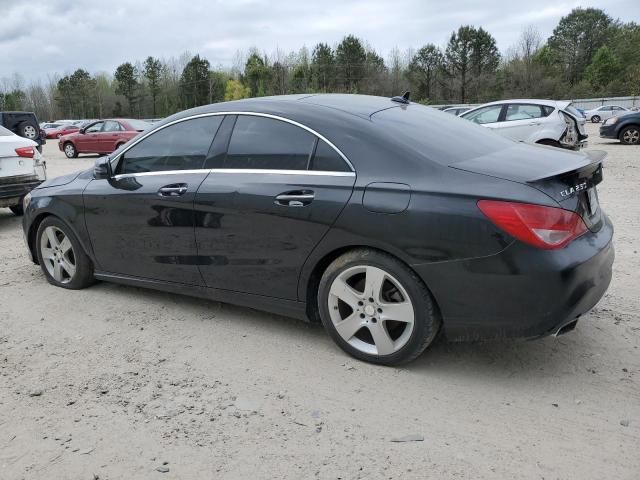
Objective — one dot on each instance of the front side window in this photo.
(182, 146)
(267, 143)
(96, 127)
(485, 115)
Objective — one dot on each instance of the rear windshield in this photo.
(4, 132)
(574, 111)
(440, 136)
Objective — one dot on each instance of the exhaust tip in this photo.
(566, 328)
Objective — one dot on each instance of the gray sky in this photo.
(43, 37)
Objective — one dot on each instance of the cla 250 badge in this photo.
(575, 189)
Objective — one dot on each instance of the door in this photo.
(267, 203)
(109, 136)
(141, 221)
(89, 141)
(525, 122)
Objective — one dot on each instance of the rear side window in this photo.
(182, 146)
(326, 159)
(111, 126)
(267, 143)
(518, 111)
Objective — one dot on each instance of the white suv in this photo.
(546, 122)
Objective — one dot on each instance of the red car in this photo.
(61, 130)
(103, 136)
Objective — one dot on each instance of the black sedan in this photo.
(385, 220)
(625, 128)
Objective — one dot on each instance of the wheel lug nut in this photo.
(360, 303)
(374, 320)
(362, 315)
(379, 310)
(371, 299)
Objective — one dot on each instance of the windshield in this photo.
(138, 124)
(4, 132)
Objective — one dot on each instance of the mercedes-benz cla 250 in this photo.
(385, 220)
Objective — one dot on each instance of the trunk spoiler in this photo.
(594, 161)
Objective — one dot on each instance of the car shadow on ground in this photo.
(497, 360)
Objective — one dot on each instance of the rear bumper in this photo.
(10, 190)
(522, 291)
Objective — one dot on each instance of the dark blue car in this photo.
(625, 128)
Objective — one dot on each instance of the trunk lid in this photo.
(570, 178)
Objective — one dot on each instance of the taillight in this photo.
(537, 225)
(26, 152)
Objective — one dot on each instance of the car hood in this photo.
(525, 163)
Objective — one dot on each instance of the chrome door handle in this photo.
(174, 190)
(295, 199)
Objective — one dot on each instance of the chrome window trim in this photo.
(255, 114)
(256, 171)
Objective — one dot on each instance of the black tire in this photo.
(426, 316)
(83, 276)
(595, 119)
(29, 130)
(630, 135)
(70, 150)
(17, 210)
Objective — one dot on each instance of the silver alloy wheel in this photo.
(30, 132)
(632, 135)
(69, 150)
(371, 310)
(57, 254)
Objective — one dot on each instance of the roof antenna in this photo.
(402, 99)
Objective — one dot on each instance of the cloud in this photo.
(43, 37)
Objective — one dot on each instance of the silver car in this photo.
(596, 115)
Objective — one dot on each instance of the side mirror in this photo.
(102, 168)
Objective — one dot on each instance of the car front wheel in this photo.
(70, 151)
(595, 119)
(61, 257)
(630, 135)
(376, 308)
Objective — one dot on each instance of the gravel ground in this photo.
(116, 382)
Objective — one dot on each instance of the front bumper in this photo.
(609, 131)
(522, 291)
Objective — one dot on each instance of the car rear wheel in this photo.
(376, 308)
(630, 135)
(61, 257)
(28, 130)
(595, 119)
(70, 151)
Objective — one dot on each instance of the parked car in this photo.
(625, 128)
(103, 136)
(24, 124)
(456, 110)
(61, 130)
(342, 209)
(546, 122)
(21, 169)
(596, 115)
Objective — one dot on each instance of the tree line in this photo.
(589, 54)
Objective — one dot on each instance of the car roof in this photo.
(536, 101)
